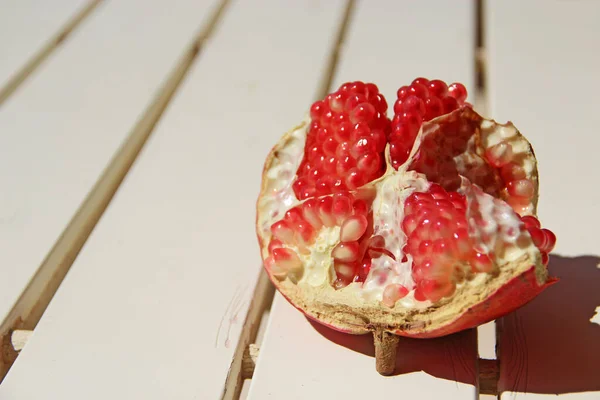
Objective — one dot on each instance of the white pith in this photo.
(387, 208)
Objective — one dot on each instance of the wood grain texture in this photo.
(26, 26)
(299, 359)
(30, 30)
(53, 201)
(388, 43)
(158, 296)
(543, 76)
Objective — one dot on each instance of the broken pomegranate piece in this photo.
(419, 227)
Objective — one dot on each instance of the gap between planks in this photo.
(244, 361)
(488, 369)
(32, 303)
(38, 58)
(242, 365)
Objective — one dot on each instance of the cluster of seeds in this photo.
(345, 142)
(344, 150)
(301, 224)
(439, 242)
(544, 239)
(421, 101)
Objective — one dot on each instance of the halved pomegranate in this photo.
(419, 226)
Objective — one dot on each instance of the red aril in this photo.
(348, 132)
(419, 228)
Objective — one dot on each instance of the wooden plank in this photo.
(543, 76)
(303, 360)
(154, 305)
(29, 32)
(390, 46)
(60, 133)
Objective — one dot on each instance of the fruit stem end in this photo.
(386, 345)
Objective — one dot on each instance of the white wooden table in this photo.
(132, 137)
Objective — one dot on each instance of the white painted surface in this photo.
(486, 340)
(543, 75)
(60, 130)
(390, 46)
(392, 43)
(153, 306)
(26, 25)
(300, 360)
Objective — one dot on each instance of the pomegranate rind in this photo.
(344, 310)
(483, 133)
(466, 309)
(519, 291)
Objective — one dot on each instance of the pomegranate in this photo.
(418, 226)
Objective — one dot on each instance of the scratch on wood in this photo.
(231, 314)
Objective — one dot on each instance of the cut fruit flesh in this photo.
(425, 249)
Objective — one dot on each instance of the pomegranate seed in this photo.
(355, 179)
(304, 231)
(521, 188)
(346, 252)
(282, 231)
(274, 244)
(325, 211)
(481, 262)
(362, 146)
(499, 154)
(310, 210)
(344, 165)
(358, 87)
(418, 90)
(363, 270)
(360, 207)
(341, 208)
(353, 101)
(458, 91)
(436, 290)
(550, 240)
(402, 92)
(363, 112)
(293, 215)
(421, 80)
(322, 135)
(329, 165)
(442, 249)
(345, 271)
(461, 242)
(450, 104)
(433, 108)
(399, 151)
(380, 104)
(392, 293)
(409, 224)
(413, 104)
(437, 88)
(343, 132)
(379, 139)
(353, 228)
(419, 295)
(369, 163)
(287, 259)
(511, 172)
(329, 146)
(538, 237)
(531, 222)
(275, 270)
(337, 101)
(405, 133)
(316, 110)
